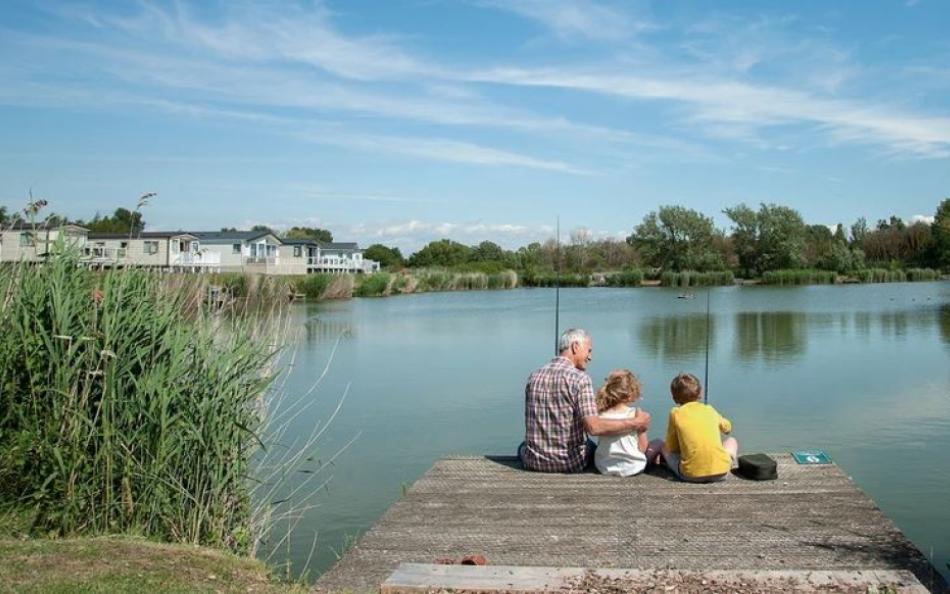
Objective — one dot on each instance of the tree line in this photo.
(674, 238)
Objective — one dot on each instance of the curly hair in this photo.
(620, 386)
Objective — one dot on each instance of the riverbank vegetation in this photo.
(680, 247)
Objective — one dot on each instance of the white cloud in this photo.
(569, 19)
(918, 218)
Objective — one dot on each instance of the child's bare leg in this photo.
(732, 446)
(653, 450)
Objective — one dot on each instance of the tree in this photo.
(263, 229)
(386, 256)
(487, 251)
(228, 230)
(859, 230)
(940, 236)
(770, 239)
(818, 243)
(4, 217)
(121, 221)
(321, 235)
(443, 252)
(677, 238)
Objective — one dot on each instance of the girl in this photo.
(622, 455)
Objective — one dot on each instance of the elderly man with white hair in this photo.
(560, 410)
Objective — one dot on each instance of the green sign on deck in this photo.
(811, 457)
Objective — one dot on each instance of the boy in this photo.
(695, 450)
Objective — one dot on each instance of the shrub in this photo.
(313, 285)
(627, 278)
(373, 285)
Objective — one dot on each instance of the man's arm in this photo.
(594, 425)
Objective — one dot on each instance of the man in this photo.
(559, 408)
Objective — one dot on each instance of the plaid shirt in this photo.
(556, 399)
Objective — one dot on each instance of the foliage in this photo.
(678, 238)
(940, 233)
(386, 256)
(768, 239)
(443, 252)
(120, 412)
(313, 286)
(626, 278)
(550, 279)
(4, 217)
(373, 285)
(121, 221)
(692, 278)
(799, 277)
(321, 235)
(263, 229)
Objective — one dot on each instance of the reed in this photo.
(626, 278)
(692, 278)
(915, 275)
(550, 279)
(313, 286)
(799, 277)
(373, 285)
(125, 408)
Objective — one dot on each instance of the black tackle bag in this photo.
(758, 467)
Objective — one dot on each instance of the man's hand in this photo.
(641, 421)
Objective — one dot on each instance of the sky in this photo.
(401, 122)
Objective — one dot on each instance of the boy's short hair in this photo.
(685, 387)
(621, 385)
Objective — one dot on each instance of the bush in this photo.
(373, 285)
(627, 278)
(799, 277)
(313, 286)
(691, 278)
(550, 279)
(880, 275)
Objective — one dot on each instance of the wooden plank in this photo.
(416, 578)
(811, 518)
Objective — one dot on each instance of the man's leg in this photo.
(520, 452)
(732, 446)
(591, 448)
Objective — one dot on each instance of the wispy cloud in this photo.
(583, 19)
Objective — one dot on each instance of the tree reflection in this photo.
(771, 336)
(677, 337)
(323, 331)
(944, 323)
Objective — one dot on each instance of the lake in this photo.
(860, 371)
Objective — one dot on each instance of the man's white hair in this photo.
(570, 336)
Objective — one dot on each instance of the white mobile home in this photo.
(24, 242)
(243, 251)
(170, 250)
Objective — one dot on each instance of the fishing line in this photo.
(557, 288)
(706, 372)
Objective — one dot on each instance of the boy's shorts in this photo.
(673, 463)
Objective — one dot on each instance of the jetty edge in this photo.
(813, 518)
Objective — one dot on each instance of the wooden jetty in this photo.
(812, 519)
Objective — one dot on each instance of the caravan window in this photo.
(236, 248)
(297, 251)
(26, 239)
(151, 248)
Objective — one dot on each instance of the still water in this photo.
(861, 371)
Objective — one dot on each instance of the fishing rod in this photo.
(706, 372)
(557, 288)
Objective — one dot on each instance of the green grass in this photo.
(313, 286)
(551, 279)
(109, 565)
(799, 277)
(125, 407)
(691, 278)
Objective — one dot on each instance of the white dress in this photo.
(618, 454)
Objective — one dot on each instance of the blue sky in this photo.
(403, 122)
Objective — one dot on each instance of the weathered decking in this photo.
(811, 518)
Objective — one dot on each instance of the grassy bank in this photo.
(868, 275)
(107, 565)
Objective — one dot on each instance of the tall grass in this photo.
(124, 409)
(691, 278)
(373, 285)
(313, 286)
(550, 279)
(915, 275)
(799, 277)
(626, 278)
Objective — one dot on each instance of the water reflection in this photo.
(944, 323)
(318, 330)
(679, 337)
(770, 336)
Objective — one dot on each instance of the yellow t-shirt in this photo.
(694, 431)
